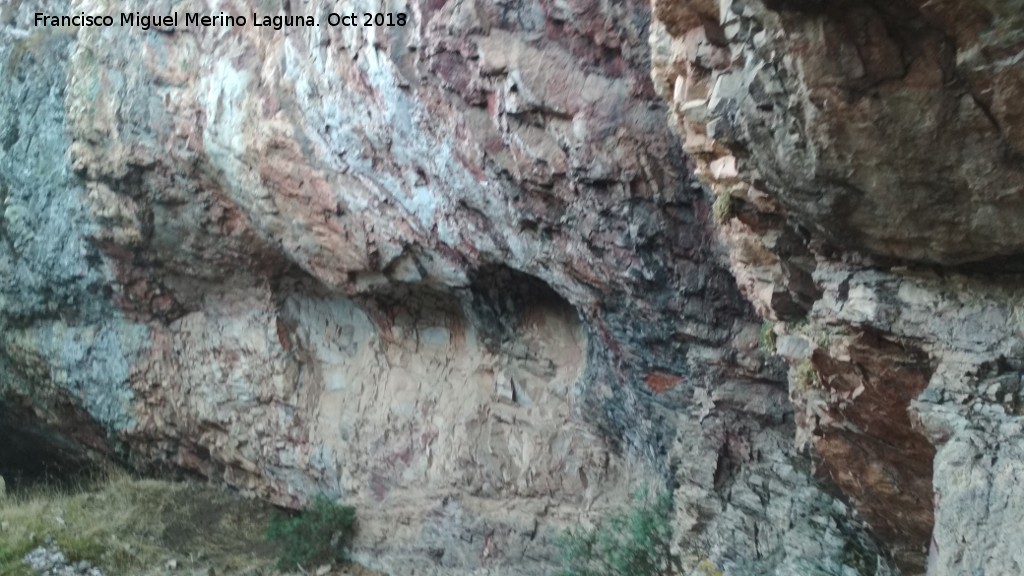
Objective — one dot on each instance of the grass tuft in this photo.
(723, 209)
(766, 338)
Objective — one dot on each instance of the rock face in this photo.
(868, 121)
(458, 272)
(867, 174)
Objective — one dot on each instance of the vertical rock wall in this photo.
(867, 178)
(457, 273)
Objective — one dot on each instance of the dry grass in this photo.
(723, 208)
(128, 526)
(804, 377)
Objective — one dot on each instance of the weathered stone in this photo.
(873, 128)
(459, 273)
(869, 137)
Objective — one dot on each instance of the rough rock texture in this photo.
(866, 165)
(51, 562)
(458, 272)
(455, 272)
(867, 121)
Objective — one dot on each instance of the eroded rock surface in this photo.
(458, 273)
(867, 174)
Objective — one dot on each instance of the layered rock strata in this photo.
(865, 163)
(456, 273)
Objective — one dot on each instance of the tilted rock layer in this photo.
(459, 274)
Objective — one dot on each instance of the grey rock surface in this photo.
(846, 144)
(459, 273)
(52, 562)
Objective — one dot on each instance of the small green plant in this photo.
(636, 543)
(319, 534)
(723, 208)
(805, 377)
(766, 338)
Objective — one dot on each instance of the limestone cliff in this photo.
(460, 273)
(867, 169)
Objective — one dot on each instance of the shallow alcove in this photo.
(33, 452)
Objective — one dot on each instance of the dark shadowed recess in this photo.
(499, 299)
(34, 452)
